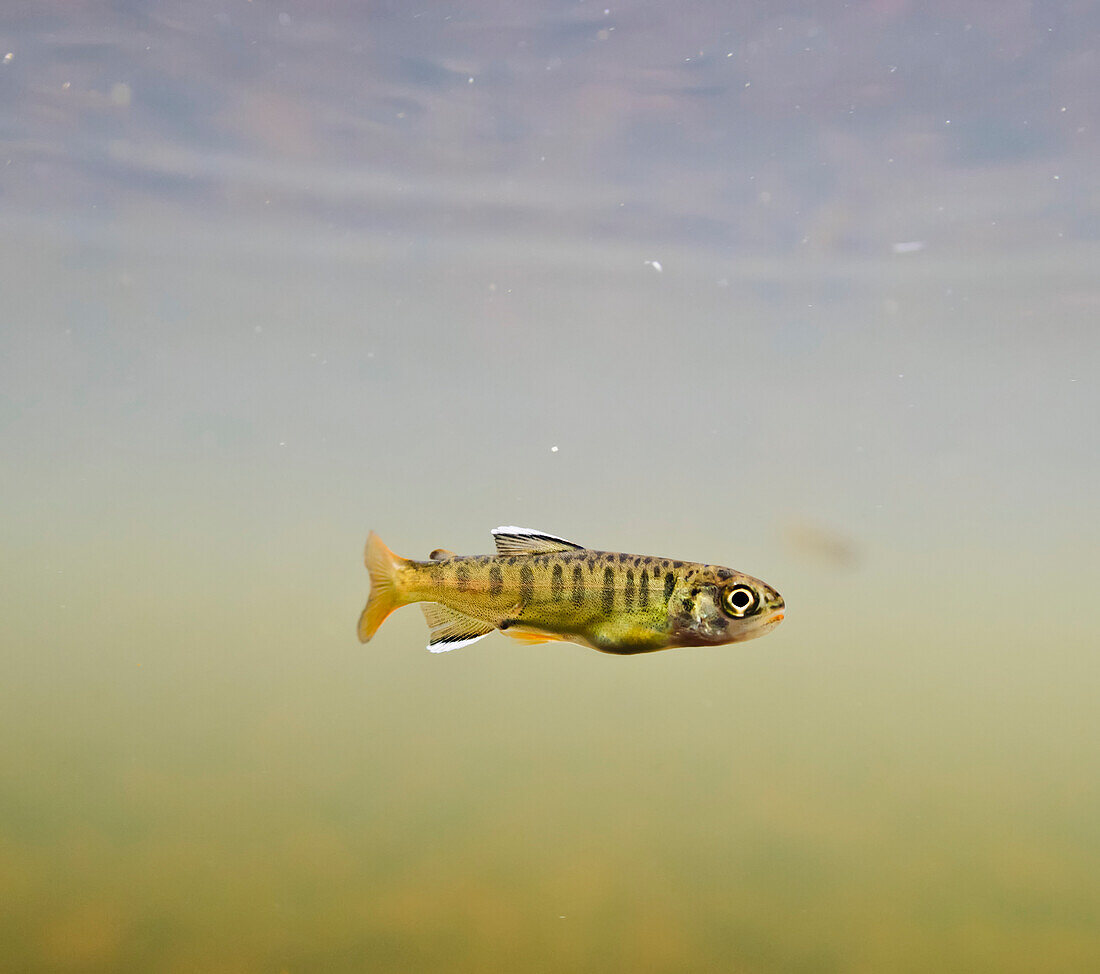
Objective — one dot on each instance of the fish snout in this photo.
(774, 607)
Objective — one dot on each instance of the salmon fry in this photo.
(540, 588)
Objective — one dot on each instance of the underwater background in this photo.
(806, 289)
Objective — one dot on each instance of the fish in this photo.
(540, 588)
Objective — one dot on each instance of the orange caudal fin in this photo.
(385, 586)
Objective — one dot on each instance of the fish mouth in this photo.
(772, 620)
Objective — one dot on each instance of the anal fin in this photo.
(452, 629)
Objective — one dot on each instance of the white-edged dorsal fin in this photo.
(527, 541)
(451, 629)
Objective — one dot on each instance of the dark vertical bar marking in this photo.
(643, 589)
(557, 583)
(462, 576)
(526, 584)
(578, 585)
(496, 580)
(628, 592)
(608, 595)
(670, 584)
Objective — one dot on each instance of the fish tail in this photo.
(386, 591)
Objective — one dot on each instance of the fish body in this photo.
(540, 588)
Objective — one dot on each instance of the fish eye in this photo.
(739, 601)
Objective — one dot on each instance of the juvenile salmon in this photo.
(539, 588)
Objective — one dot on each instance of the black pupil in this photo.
(740, 599)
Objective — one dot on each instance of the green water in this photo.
(253, 311)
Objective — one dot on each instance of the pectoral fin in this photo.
(626, 638)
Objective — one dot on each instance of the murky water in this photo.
(807, 290)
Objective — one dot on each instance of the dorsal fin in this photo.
(451, 629)
(526, 541)
(441, 554)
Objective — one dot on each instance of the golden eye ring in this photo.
(740, 601)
